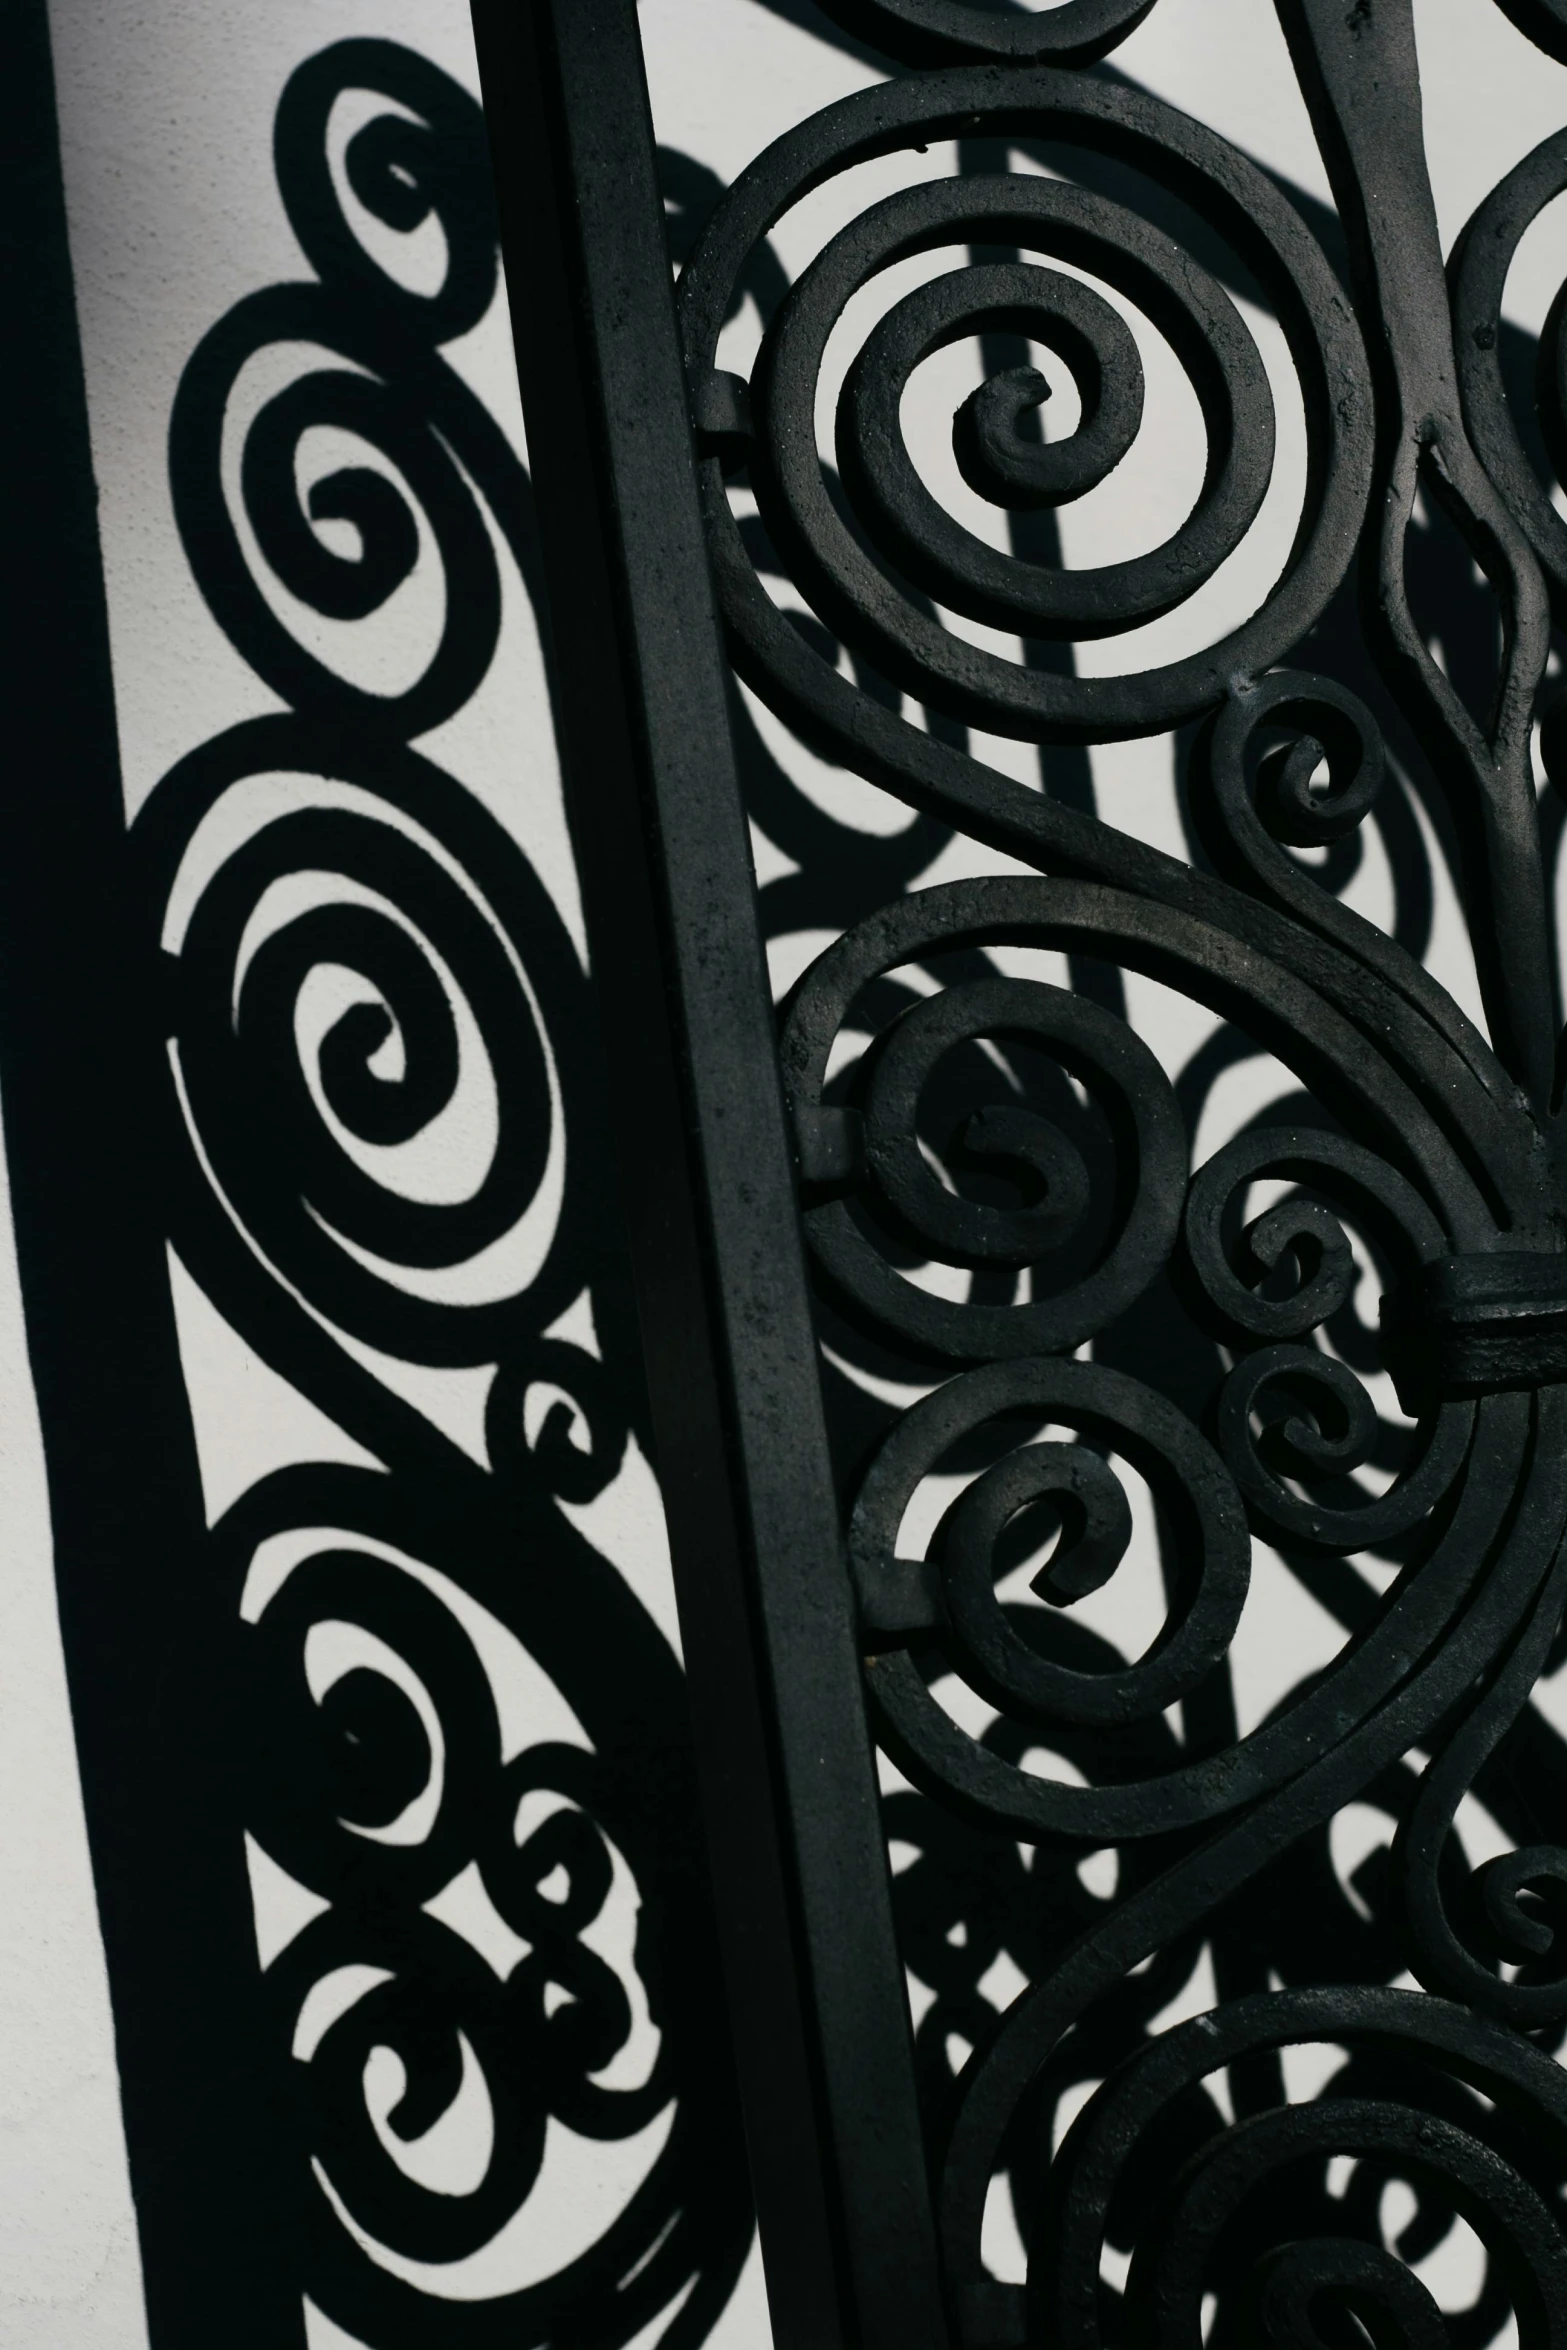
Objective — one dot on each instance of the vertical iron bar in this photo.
(815, 1985)
(145, 1632)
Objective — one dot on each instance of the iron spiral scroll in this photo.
(998, 1191)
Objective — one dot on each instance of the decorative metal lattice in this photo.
(1117, 1318)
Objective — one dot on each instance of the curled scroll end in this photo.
(1476, 1325)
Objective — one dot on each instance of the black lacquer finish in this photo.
(994, 1177)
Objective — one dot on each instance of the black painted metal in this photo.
(707, 1184)
(1083, 1227)
(373, 859)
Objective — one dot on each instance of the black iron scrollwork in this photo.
(1054, 1346)
(458, 1736)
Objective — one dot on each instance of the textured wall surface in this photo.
(166, 119)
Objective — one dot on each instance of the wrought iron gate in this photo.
(1192, 2196)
